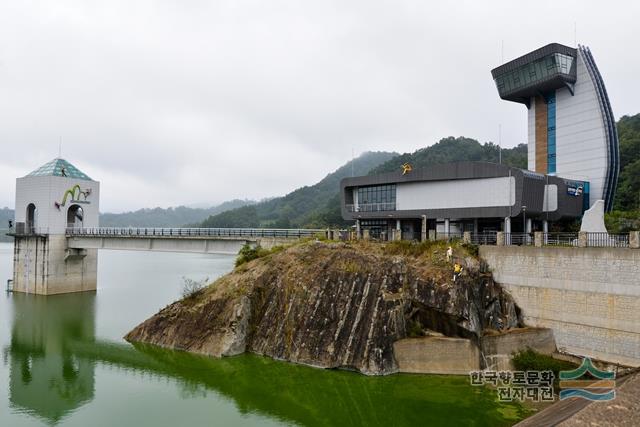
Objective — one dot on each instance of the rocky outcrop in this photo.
(333, 305)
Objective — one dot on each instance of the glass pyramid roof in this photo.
(59, 167)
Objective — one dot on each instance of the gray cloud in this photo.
(182, 102)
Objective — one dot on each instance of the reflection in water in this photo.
(54, 354)
(46, 378)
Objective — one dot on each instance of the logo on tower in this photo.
(76, 193)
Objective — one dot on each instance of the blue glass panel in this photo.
(550, 99)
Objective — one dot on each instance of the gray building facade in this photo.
(457, 197)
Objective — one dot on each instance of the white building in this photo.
(49, 200)
(571, 128)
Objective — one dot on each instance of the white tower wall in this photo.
(581, 144)
(43, 262)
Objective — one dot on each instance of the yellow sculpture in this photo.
(406, 168)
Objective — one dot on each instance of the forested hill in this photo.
(319, 205)
(170, 217)
(310, 206)
(459, 149)
(628, 193)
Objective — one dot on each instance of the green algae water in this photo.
(65, 363)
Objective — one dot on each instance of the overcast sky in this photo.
(169, 103)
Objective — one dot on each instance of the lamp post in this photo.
(524, 219)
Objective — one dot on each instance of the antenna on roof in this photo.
(352, 167)
(500, 143)
(502, 51)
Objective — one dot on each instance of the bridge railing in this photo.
(193, 232)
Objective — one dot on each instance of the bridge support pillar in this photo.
(44, 265)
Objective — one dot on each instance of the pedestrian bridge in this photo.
(195, 240)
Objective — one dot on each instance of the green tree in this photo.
(452, 149)
(628, 193)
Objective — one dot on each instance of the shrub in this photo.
(249, 253)
(414, 329)
(622, 222)
(531, 360)
(471, 248)
(191, 288)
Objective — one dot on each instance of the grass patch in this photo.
(410, 248)
(531, 360)
(249, 253)
(350, 267)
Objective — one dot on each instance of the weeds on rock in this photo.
(249, 253)
(471, 248)
(192, 288)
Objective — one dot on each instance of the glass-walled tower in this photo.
(571, 128)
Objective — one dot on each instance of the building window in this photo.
(534, 72)
(377, 198)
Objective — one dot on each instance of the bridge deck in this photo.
(195, 240)
(193, 232)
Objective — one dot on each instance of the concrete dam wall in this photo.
(589, 297)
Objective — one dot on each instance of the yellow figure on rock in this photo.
(457, 270)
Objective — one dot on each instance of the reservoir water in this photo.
(64, 362)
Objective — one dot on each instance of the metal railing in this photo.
(192, 232)
(489, 238)
(371, 207)
(518, 239)
(588, 240)
(607, 240)
(449, 236)
(560, 239)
